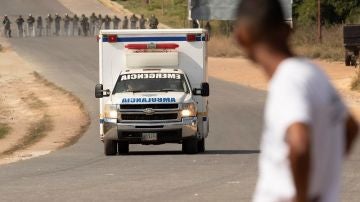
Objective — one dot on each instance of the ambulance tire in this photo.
(110, 147)
(201, 145)
(123, 147)
(190, 146)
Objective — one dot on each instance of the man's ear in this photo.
(243, 37)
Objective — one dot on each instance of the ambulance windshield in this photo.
(151, 82)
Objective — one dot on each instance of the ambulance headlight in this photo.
(111, 112)
(188, 110)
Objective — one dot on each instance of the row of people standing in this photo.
(75, 25)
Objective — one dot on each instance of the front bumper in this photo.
(166, 132)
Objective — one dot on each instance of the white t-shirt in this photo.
(300, 92)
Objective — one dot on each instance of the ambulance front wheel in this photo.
(123, 147)
(201, 145)
(190, 146)
(110, 147)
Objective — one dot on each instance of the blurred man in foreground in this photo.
(308, 129)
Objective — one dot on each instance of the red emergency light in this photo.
(191, 37)
(112, 38)
(152, 46)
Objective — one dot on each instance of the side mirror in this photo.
(99, 91)
(203, 91)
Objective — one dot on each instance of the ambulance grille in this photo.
(150, 106)
(144, 117)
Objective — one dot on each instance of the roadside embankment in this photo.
(36, 116)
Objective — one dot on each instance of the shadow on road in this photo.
(211, 152)
(208, 152)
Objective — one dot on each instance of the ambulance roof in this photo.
(152, 70)
(152, 31)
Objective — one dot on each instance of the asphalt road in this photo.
(226, 172)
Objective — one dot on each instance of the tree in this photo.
(333, 11)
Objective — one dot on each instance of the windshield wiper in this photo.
(133, 91)
(168, 90)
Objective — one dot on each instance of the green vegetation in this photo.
(332, 11)
(4, 130)
(169, 12)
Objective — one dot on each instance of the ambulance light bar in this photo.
(152, 46)
(112, 38)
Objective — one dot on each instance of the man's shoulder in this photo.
(297, 73)
(297, 70)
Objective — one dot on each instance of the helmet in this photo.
(49, 14)
(30, 15)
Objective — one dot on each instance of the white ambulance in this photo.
(153, 88)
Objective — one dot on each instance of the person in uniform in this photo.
(75, 27)
(133, 21)
(67, 20)
(30, 21)
(99, 21)
(154, 22)
(92, 20)
(7, 25)
(142, 22)
(57, 24)
(20, 23)
(84, 24)
(195, 24)
(125, 23)
(208, 27)
(116, 22)
(107, 22)
(39, 25)
(49, 20)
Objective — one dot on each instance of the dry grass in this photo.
(332, 47)
(36, 132)
(222, 46)
(303, 40)
(4, 130)
(355, 83)
(34, 102)
(74, 98)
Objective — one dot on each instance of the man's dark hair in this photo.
(263, 16)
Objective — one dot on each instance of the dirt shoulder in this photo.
(243, 72)
(40, 117)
